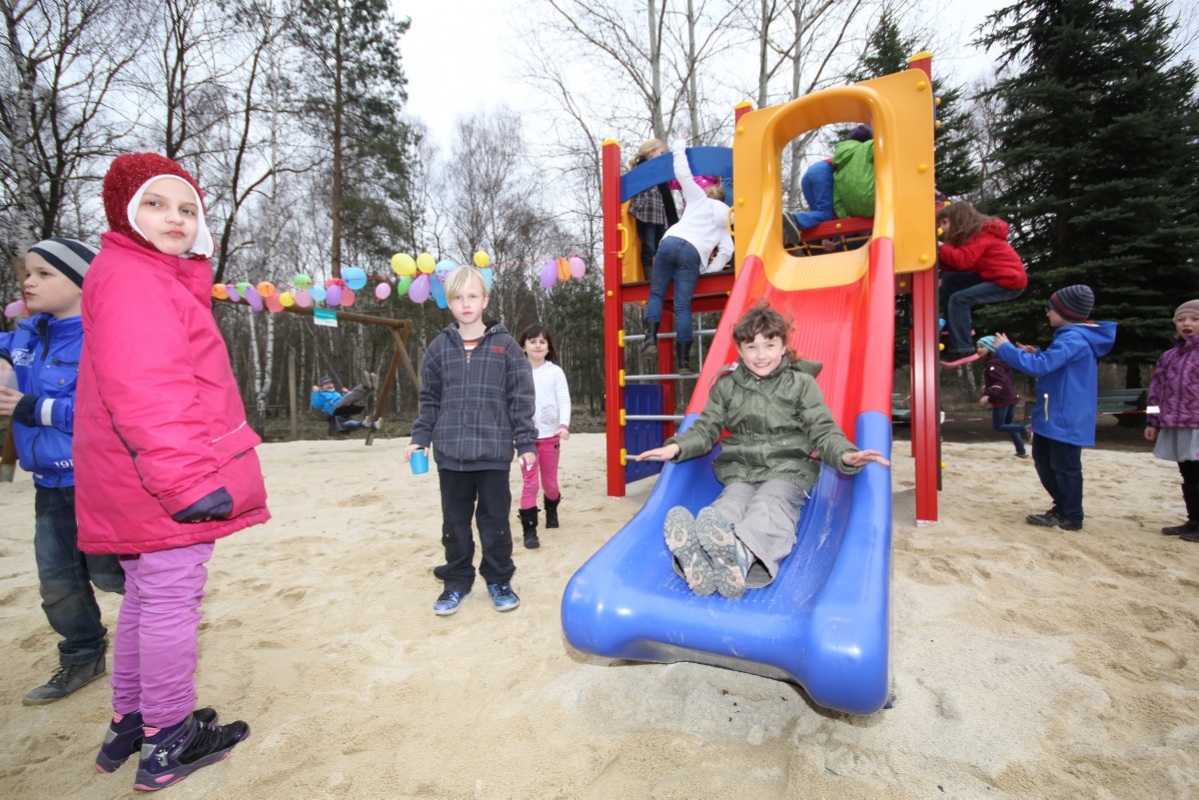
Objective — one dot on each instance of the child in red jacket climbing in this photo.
(978, 267)
(164, 460)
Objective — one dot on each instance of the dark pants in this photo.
(66, 576)
(1003, 419)
(1059, 466)
(650, 236)
(460, 493)
(961, 292)
(677, 262)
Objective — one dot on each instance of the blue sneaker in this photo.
(502, 595)
(124, 738)
(173, 753)
(448, 602)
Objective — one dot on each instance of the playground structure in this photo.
(824, 622)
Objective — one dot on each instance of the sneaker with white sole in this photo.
(716, 536)
(448, 602)
(503, 597)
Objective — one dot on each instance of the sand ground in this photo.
(1028, 662)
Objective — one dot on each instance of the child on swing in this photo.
(780, 430)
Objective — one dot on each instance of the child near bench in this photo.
(1172, 418)
(1063, 419)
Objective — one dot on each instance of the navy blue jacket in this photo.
(44, 352)
(1067, 376)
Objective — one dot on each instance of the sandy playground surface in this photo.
(1028, 662)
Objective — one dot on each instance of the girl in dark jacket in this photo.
(999, 384)
(1173, 413)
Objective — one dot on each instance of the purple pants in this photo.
(154, 651)
(546, 466)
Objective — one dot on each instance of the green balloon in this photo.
(403, 283)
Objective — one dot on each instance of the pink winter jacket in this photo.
(159, 422)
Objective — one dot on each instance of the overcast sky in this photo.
(457, 52)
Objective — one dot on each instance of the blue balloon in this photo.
(318, 293)
(355, 277)
(487, 276)
(437, 289)
(444, 268)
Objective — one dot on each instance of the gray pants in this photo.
(764, 517)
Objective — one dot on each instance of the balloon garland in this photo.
(419, 278)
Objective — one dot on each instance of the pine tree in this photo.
(354, 92)
(1100, 147)
(887, 52)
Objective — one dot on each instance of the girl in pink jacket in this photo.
(164, 460)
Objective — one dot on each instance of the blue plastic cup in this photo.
(419, 460)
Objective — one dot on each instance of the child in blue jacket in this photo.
(41, 358)
(1063, 419)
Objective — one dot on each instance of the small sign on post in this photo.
(324, 316)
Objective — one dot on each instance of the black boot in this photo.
(528, 523)
(1190, 495)
(551, 512)
(650, 346)
(682, 358)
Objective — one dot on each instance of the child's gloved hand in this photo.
(215, 505)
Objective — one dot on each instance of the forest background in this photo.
(291, 114)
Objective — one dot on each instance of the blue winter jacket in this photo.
(1067, 376)
(44, 352)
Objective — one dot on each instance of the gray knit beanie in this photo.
(68, 256)
(1073, 303)
(1190, 305)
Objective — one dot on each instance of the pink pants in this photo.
(546, 467)
(154, 651)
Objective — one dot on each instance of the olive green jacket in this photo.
(774, 423)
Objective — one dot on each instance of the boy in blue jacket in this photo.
(1063, 419)
(41, 358)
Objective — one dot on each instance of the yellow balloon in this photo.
(426, 263)
(286, 299)
(402, 264)
(482, 259)
(266, 288)
(220, 292)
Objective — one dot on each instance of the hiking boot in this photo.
(551, 512)
(171, 754)
(66, 680)
(124, 738)
(1050, 519)
(1067, 525)
(448, 602)
(683, 543)
(716, 536)
(649, 347)
(682, 358)
(1178, 530)
(1190, 537)
(503, 597)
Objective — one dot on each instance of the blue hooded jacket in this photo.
(44, 352)
(1067, 380)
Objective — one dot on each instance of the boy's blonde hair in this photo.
(460, 278)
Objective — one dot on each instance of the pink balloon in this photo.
(418, 292)
(272, 302)
(16, 309)
(577, 267)
(549, 273)
(383, 291)
(333, 295)
(303, 298)
(347, 298)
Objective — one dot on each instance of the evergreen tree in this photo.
(1100, 145)
(888, 51)
(355, 90)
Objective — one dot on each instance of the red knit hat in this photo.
(124, 183)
